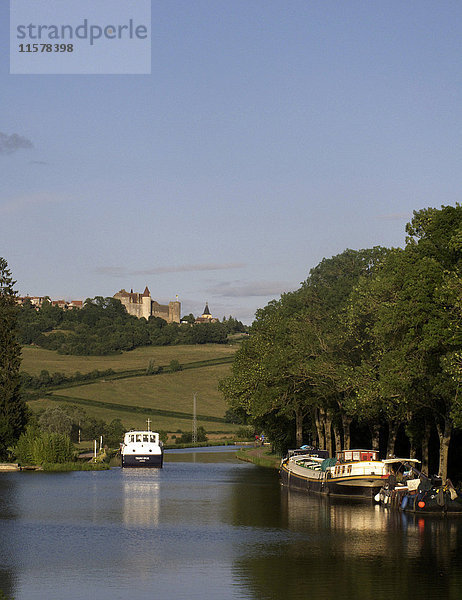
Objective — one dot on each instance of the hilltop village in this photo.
(136, 304)
(100, 326)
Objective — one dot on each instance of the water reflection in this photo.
(221, 529)
(141, 501)
(8, 551)
(344, 550)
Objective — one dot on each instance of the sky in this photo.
(269, 135)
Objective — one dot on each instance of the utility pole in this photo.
(194, 423)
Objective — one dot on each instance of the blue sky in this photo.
(268, 136)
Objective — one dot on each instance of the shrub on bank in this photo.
(35, 447)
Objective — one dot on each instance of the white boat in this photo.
(410, 490)
(142, 449)
(352, 473)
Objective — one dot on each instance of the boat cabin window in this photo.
(132, 438)
(370, 455)
(356, 455)
(138, 437)
(145, 438)
(153, 439)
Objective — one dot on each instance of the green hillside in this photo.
(167, 397)
(35, 359)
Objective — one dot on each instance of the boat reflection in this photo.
(141, 497)
(370, 530)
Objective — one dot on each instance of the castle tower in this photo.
(146, 303)
(174, 311)
(206, 314)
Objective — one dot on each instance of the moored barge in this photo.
(352, 473)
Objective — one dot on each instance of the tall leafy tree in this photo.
(378, 359)
(414, 330)
(331, 354)
(12, 407)
(262, 382)
(294, 362)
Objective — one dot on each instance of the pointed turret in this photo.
(146, 291)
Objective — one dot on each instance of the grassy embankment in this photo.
(260, 456)
(131, 396)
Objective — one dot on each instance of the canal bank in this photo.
(260, 456)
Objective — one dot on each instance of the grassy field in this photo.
(168, 395)
(133, 420)
(168, 391)
(35, 359)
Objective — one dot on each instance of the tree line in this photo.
(46, 379)
(13, 410)
(369, 346)
(104, 327)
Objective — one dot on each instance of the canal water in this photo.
(210, 527)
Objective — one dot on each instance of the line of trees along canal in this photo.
(371, 341)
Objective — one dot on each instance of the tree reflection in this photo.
(8, 504)
(353, 551)
(255, 498)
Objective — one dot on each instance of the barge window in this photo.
(132, 438)
(138, 438)
(145, 438)
(153, 439)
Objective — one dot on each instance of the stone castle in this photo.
(142, 305)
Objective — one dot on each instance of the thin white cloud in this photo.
(21, 203)
(124, 272)
(262, 289)
(14, 142)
